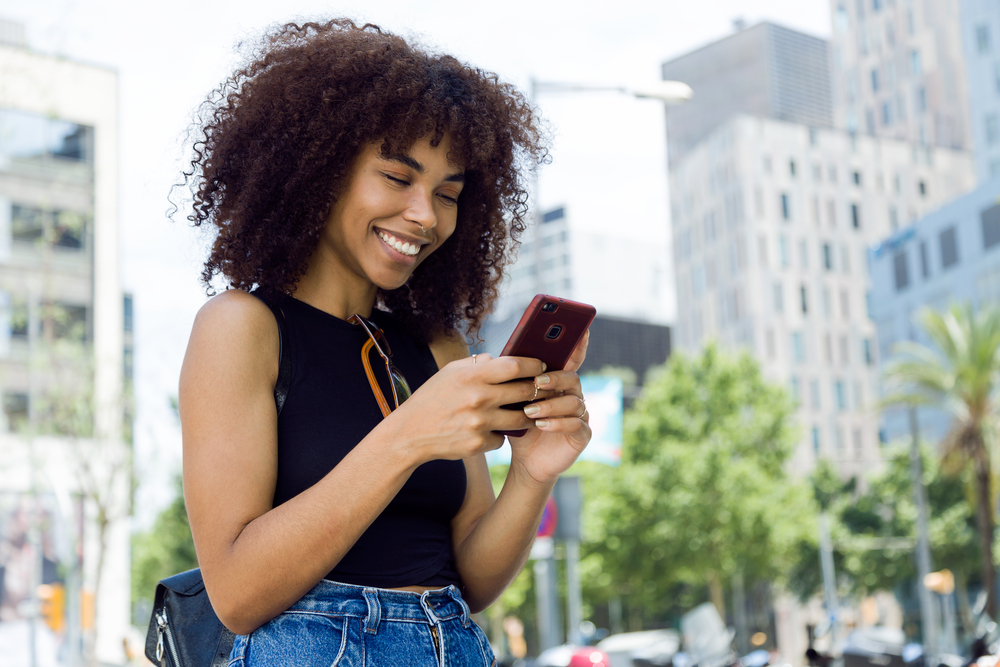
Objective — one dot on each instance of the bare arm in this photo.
(258, 560)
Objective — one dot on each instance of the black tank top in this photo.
(329, 409)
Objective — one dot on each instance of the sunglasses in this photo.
(377, 339)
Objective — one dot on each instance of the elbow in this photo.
(236, 619)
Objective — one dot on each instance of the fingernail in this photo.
(542, 423)
(544, 366)
(531, 410)
(541, 380)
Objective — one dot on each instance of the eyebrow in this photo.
(407, 160)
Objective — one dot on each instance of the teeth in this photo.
(405, 248)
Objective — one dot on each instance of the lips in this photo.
(404, 247)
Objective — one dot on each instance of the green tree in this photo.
(960, 373)
(163, 550)
(701, 494)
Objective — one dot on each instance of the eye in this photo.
(393, 179)
(451, 201)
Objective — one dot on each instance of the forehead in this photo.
(421, 155)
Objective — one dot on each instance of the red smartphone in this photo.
(549, 331)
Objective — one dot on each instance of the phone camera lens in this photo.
(549, 307)
(553, 332)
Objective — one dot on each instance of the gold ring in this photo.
(536, 391)
(584, 413)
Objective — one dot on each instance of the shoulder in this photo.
(448, 346)
(234, 328)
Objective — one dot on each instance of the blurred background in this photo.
(792, 375)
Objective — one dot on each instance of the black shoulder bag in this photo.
(184, 630)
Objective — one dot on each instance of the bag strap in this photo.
(284, 359)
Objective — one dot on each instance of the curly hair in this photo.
(278, 139)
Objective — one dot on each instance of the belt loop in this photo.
(374, 616)
(426, 605)
(466, 612)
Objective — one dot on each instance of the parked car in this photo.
(647, 648)
(569, 655)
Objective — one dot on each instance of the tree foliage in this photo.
(163, 550)
(701, 493)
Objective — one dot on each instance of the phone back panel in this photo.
(533, 335)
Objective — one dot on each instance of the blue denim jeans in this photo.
(340, 625)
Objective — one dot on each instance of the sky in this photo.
(608, 150)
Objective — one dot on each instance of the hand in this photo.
(455, 413)
(561, 423)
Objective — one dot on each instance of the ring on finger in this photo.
(474, 358)
(536, 392)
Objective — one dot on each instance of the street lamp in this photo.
(670, 93)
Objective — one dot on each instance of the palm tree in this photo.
(961, 375)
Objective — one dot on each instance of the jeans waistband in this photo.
(376, 605)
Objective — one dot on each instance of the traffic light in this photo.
(53, 605)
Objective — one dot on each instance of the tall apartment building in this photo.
(899, 70)
(62, 345)
(765, 70)
(952, 255)
(772, 222)
(980, 26)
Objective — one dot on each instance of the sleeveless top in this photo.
(328, 410)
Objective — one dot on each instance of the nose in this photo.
(420, 210)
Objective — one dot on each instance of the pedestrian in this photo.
(365, 196)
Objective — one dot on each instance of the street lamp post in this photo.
(670, 93)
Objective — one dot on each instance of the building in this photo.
(950, 255)
(765, 70)
(63, 458)
(772, 222)
(622, 277)
(980, 25)
(899, 71)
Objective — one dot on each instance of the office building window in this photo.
(876, 5)
(856, 177)
(831, 212)
(779, 298)
(804, 254)
(32, 138)
(886, 114)
(814, 393)
(19, 319)
(925, 266)
(817, 173)
(815, 440)
(855, 216)
(845, 260)
(857, 443)
(791, 167)
(828, 349)
(845, 357)
(762, 250)
(949, 248)
(893, 218)
(992, 129)
(874, 80)
(838, 392)
(866, 345)
(991, 226)
(805, 302)
(921, 99)
(900, 270)
(845, 304)
(798, 347)
(869, 121)
(915, 67)
(831, 173)
(826, 303)
(983, 38)
(785, 212)
(783, 251)
(827, 257)
(796, 393)
(922, 188)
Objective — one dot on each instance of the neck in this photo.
(336, 292)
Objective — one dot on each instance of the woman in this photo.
(343, 170)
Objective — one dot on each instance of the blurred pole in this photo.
(928, 616)
(574, 595)
(829, 576)
(615, 613)
(549, 632)
(950, 643)
(569, 501)
(740, 612)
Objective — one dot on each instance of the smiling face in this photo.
(394, 212)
